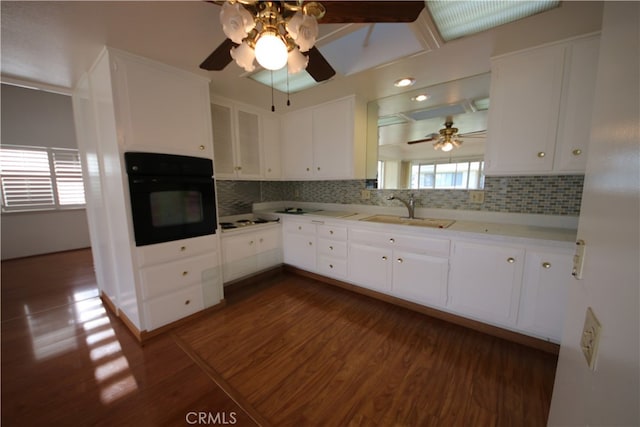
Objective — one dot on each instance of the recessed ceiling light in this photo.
(404, 82)
(420, 98)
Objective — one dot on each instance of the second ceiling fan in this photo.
(291, 28)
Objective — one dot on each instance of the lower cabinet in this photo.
(409, 267)
(299, 243)
(331, 247)
(485, 281)
(245, 252)
(545, 292)
(178, 279)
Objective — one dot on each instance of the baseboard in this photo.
(235, 285)
(495, 331)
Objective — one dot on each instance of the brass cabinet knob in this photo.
(577, 152)
(187, 302)
(251, 242)
(269, 170)
(546, 264)
(541, 154)
(261, 240)
(384, 258)
(308, 169)
(184, 273)
(400, 260)
(330, 231)
(318, 167)
(299, 227)
(201, 147)
(392, 240)
(330, 265)
(330, 248)
(183, 248)
(310, 244)
(511, 260)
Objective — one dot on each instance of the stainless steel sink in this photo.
(420, 222)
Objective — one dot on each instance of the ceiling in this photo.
(50, 44)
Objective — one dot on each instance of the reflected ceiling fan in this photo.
(279, 33)
(448, 137)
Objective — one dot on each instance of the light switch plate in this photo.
(476, 196)
(590, 338)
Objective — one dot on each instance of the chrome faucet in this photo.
(411, 204)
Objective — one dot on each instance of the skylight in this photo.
(297, 82)
(456, 19)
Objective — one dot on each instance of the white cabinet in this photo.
(160, 108)
(246, 252)
(547, 273)
(237, 140)
(299, 243)
(409, 267)
(541, 103)
(332, 250)
(325, 142)
(271, 146)
(485, 281)
(178, 278)
(128, 103)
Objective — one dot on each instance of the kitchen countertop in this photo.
(494, 226)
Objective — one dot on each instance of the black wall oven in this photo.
(172, 197)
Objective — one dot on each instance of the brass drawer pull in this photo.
(577, 152)
(400, 260)
(541, 154)
(183, 248)
(184, 273)
(392, 240)
(511, 260)
(546, 264)
(384, 258)
(187, 302)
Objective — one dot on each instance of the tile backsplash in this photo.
(547, 195)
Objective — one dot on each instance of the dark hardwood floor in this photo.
(289, 351)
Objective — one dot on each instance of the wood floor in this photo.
(290, 351)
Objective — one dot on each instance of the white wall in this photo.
(32, 117)
(609, 225)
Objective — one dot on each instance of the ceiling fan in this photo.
(248, 24)
(448, 137)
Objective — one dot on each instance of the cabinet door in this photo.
(162, 109)
(544, 292)
(578, 90)
(300, 250)
(238, 256)
(485, 281)
(420, 278)
(333, 127)
(248, 146)
(271, 147)
(370, 267)
(523, 118)
(297, 154)
(269, 248)
(224, 160)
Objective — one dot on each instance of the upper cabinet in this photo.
(327, 141)
(173, 119)
(541, 103)
(243, 138)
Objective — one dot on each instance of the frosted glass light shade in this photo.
(271, 52)
(244, 55)
(297, 61)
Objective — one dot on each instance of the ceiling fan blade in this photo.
(219, 58)
(318, 66)
(475, 134)
(342, 12)
(418, 141)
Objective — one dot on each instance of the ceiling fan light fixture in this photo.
(420, 98)
(303, 29)
(296, 61)
(236, 21)
(446, 146)
(271, 50)
(244, 56)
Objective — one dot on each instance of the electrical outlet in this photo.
(365, 194)
(476, 196)
(590, 338)
(578, 260)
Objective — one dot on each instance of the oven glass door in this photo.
(172, 208)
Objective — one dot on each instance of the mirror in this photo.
(407, 128)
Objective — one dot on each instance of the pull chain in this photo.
(288, 102)
(273, 107)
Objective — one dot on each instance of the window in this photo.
(37, 178)
(459, 175)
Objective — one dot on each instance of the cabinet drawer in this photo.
(333, 267)
(332, 232)
(332, 248)
(425, 245)
(171, 251)
(299, 227)
(165, 278)
(169, 308)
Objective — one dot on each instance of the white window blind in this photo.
(36, 178)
